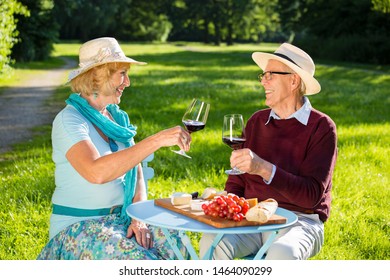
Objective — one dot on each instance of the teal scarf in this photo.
(121, 130)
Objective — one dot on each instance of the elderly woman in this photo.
(98, 170)
(289, 155)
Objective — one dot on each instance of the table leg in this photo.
(186, 241)
(266, 245)
(209, 254)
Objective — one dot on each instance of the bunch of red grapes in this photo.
(231, 207)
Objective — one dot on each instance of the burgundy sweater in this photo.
(304, 157)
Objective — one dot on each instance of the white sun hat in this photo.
(100, 51)
(295, 58)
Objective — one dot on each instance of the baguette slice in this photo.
(263, 211)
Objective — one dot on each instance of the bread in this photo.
(180, 198)
(262, 211)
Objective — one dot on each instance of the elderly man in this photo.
(289, 155)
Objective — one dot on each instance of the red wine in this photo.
(234, 143)
(193, 126)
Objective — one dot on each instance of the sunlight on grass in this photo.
(361, 196)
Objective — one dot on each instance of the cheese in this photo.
(221, 193)
(196, 204)
(252, 202)
(181, 198)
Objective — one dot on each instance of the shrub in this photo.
(8, 32)
(36, 35)
(373, 49)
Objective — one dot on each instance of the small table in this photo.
(147, 212)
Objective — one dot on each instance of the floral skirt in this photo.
(105, 239)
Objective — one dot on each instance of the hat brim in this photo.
(77, 72)
(311, 84)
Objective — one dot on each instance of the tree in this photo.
(347, 30)
(85, 19)
(143, 21)
(381, 6)
(123, 19)
(37, 33)
(290, 13)
(262, 23)
(223, 20)
(8, 31)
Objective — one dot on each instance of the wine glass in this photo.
(194, 119)
(233, 136)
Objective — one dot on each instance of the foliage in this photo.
(290, 13)
(350, 30)
(144, 21)
(354, 48)
(82, 19)
(8, 31)
(355, 96)
(381, 6)
(124, 19)
(36, 35)
(347, 30)
(220, 21)
(188, 20)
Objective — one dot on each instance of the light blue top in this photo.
(72, 190)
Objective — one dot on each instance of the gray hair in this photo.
(302, 89)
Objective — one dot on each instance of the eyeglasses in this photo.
(268, 75)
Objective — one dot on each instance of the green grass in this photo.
(355, 96)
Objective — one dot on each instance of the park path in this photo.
(23, 107)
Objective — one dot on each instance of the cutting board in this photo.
(215, 222)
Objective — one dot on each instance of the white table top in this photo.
(147, 212)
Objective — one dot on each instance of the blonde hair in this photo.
(96, 80)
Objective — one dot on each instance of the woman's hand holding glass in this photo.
(175, 136)
(194, 119)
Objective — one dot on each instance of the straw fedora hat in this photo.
(295, 58)
(100, 51)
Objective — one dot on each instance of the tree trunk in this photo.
(217, 39)
(229, 39)
(206, 37)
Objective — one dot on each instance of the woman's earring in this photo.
(95, 95)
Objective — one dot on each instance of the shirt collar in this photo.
(302, 115)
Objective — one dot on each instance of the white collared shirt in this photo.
(302, 115)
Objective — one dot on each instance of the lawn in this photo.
(356, 97)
